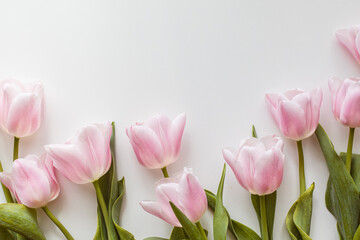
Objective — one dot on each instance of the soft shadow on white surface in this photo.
(127, 60)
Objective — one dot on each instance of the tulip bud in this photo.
(258, 164)
(86, 156)
(185, 192)
(32, 181)
(20, 107)
(296, 112)
(157, 141)
(346, 100)
(350, 38)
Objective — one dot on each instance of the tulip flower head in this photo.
(185, 192)
(258, 164)
(86, 156)
(32, 181)
(346, 100)
(296, 112)
(157, 141)
(350, 38)
(20, 107)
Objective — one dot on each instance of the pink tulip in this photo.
(346, 100)
(20, 107)
(85, 157)
(350, 38)
(296, 112)
(157, 141)
(184, 191)
(32, 181)
(258, 164)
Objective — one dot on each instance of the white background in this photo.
(127, 60)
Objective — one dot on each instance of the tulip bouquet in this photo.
(181, 201)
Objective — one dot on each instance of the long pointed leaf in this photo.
(344, 199)
(188, 226)
(220, 215)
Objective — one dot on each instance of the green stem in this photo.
(16, 148)
(103, 207)
(6, 191)
(165, 173)
(301, 167)
(198, 225)
(57, 223)
(349, 148)
(264, 228)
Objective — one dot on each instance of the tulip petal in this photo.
(347, 37)
(351, 107)
(161, 125)
(147, 146)
(24, 115)
(192, 197)
(5, 178)
(69, 162)
(178, 125)
(155, 209)
(292, 120)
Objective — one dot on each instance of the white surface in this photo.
(214, 60)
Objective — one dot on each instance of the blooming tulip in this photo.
(350, 38)
(185, 192)
(296, 112)
(32, 181)
(346, 100)
(85, 157)
(258, 164)
(20, 107)
(156, 142)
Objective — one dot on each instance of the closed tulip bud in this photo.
(20, 107)
(258, 164)
(32, 181)
(86, 156)
(346, 100)
(157, 141)
(185, 192)
(350, 38)
(296, 112)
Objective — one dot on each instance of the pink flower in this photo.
(32, 181)
(296, 112)
(350, 38)
(20, 107)
(157, 141)
(346, 100)
(258, 164)
(184, 191)
(85, 157)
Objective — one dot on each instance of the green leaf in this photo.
(270, 201)
(155, 238)
(178, 233)
(298, 219)
(113, 192)
(220, 215)
(355, 167)
(5, 234)
(190, 228)
(238, 230)
(357, 234)
(342, 197)
(21, 219)
(124, 235)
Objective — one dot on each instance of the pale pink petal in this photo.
(24, 115)
(292, 120)
(290, 94)
(70, 163)
(192, 196)
(161, 125)
(147, 146)
(347, 38)
(349, 115)
(177, 129)
(155, 209)
(5, 178)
